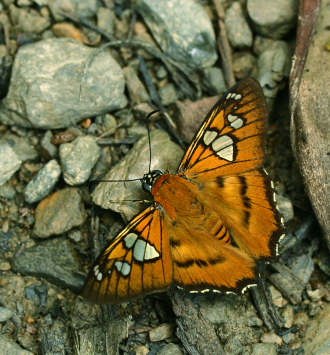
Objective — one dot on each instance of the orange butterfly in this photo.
(210, 223)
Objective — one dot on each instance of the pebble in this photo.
(49, 98)
(106, 20)
(48, 149)
(59, 213)
(82, 9)
(262, 349)
(22, 146)
(163, 331)
(190, 42)
(271, 338)
(288, 315)
(28, 20)
(136, 89)
(244, 64)
(9, 162)
(273, 19)
(43, 182)
(78, 159)
(5, 314)
(238, 30)
(168, 94)
(303, 267)
(9, 347)
(7, 191)
(170, 349)
(53, 260)
(214, 81)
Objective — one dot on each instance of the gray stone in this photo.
(9, 162)
(9, 347)
(59, 213)
(262, 349)
(238, 30)
(214, 81)
(170, 349)
(166, 156)
(168, 94)
(28, 20)
(5, 314)
(78, 159)
(189, 42)
(303, 267)
(22, 147)
(43, 182)
(83, 9)
(50, 90)
(54, 260)
(271, 18)
(244, 64)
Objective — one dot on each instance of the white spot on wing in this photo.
(209, 137)
(139, 250)
(222, 142)
(235, 121)
(238, 97)
(130, 240)
(248, 286)
(123, 268)
(151, 252)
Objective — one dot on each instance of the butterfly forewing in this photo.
(232, 138)
(137, 262)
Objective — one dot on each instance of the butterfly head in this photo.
(149, 179)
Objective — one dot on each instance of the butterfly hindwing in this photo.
(232, 138)
(137, 262)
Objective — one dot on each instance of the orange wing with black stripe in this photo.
(136, 263)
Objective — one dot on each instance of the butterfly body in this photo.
(211, 223)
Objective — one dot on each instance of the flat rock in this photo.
(273, 19)
(9, 162)
(43, 182)
(9, 347)
(48, 78)
(54, 260)
(189, 42)
(78, 159)
(59, 213)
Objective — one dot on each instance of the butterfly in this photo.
(211, 223)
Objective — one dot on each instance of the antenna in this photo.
(148, 127)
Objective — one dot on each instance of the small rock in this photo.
(82, 9)
(286, 207)
(141, 350)
(300, 319)
(192, 114)
(168, 94)
(28, 20)
(48, 149)
(271, 338)
(162, 332)
(9, 347)
(43, 182)
(214, 81)
(316, 295)
(106, 20)
(262, 349)
(136, 89)
(54, 260)
(5, 266)
(7, 191)
(9, 162)
(22, 146)
(5, 314)
(244, 64)
(303, 267)
(190, 42)
(78, 159)
(273, 19)
(238, 30)
(288, 315)
(59, 213)
(47, 77)
(170, 349)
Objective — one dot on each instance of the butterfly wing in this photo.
(137, 262)
(232, 138)
(225, 159)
